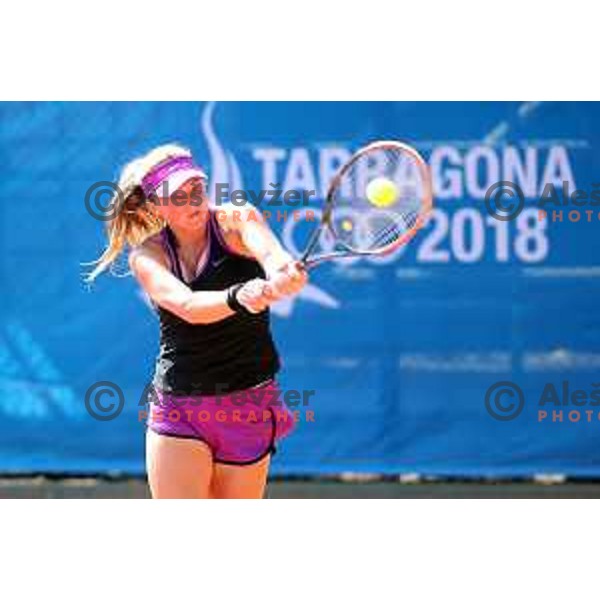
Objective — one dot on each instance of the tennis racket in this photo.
(375, 203)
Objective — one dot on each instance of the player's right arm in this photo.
(150, 267)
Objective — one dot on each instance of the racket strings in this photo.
(378, 225)
(386, 236)
(392, 232)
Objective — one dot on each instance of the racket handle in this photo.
(315, 262)
(307, 264)
(300, 263)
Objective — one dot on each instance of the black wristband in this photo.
(232, 301)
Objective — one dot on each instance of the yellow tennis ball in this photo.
(382, 192)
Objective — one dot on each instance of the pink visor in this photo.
(174, 171)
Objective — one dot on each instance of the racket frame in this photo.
(326, 221)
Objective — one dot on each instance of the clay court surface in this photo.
(43, 487)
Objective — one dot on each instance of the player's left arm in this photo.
(260, 242)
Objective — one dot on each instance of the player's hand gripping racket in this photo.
(375, 203)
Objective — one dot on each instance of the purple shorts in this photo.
(240, 428)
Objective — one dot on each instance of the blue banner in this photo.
(440, 359)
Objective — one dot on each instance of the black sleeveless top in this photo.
(233, 354)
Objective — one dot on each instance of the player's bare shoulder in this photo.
(151, 247)
(231, 221)
(232, 218)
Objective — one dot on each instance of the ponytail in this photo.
(134, 222)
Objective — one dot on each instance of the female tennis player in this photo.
(214, 413)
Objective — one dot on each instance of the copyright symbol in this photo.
(98, 200)
(503, 409)
(504, 200)
(104, 410)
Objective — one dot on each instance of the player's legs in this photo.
(177, 467)
(233, 481)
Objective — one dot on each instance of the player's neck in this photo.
(190, 237)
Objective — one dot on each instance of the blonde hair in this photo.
(133, 222)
